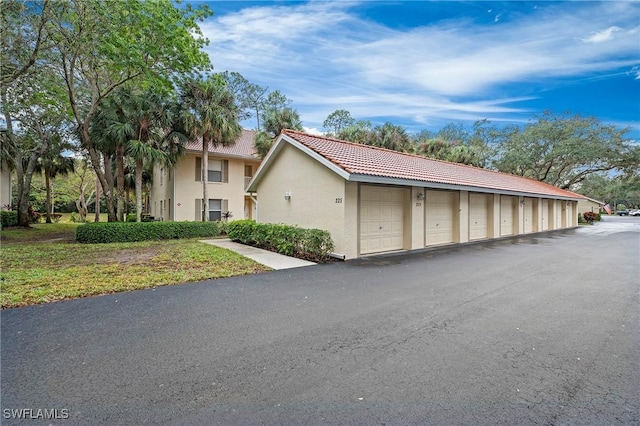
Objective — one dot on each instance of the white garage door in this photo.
(545, 215)
(559, 213)
(528, 215)
(381, 219)
(551, 216)
(439, 217)
(506, 214)
(478, 216)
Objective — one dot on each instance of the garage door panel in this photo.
(439, 217)
(528, 215)
(506, 215)
(478, 216)
(545, 215)
(381, 219)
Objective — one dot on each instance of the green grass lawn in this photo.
(44, 264)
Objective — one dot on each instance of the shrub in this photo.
(580, 218)
(117, 232)
(312, 244)
(598, 217)
(589, 217)
(9, 218)
(131, 217)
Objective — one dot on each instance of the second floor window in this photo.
(217, 170)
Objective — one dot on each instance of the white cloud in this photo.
(312, 131)
(603, 35)
(324, 56)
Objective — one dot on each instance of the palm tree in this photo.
(141, 151)
(275, 121)
(209, 112)
(391, 137)
(53, 163)
(142, 123)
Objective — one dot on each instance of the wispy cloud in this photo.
(603, 35)
(328, 55)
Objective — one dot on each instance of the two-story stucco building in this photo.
(5, 185)
(176, 194)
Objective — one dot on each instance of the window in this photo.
(217, 170)
(161, 176)
(216, 209)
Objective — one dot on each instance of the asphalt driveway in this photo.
(537, 330)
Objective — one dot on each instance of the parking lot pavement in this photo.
(542, 329)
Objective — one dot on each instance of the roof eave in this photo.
(220, 154)
(362, 178)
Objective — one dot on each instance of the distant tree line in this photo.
(568, 151)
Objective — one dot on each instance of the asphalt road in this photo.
(537, 330)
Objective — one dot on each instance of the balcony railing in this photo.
(247, 179)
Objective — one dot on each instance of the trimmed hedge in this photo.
(312, 244)
(9, 218)
(119, 232)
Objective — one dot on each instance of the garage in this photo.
(528, 215)
(381, 219)
(507, 203)
(439, 217)
(478, 216)
(377, 201)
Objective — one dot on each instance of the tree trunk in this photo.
(120, 196)
(23, 176)
(95, 162)
(205, 176)
(139, 170)
(81, 205)
(47, 184)
(96, 217)
(127, 198)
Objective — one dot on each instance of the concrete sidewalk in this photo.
(265, 257)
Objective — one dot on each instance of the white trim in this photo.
(278, 146)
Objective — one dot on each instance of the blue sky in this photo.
(425, 64)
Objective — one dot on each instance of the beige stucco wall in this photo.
(416, 218)
(5, 185)
(319, 198)
(179, 189)
(584, 206)
(162, 190)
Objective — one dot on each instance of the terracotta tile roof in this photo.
(366, 160)
(243, 146)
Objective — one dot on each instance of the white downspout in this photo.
(255, 200)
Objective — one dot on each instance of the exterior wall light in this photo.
(420, 195)
(287, 196)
